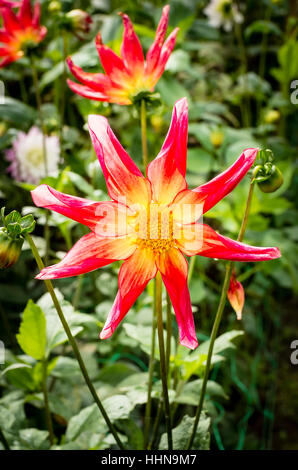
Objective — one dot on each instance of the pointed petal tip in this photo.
(106, 333)
(190, 343)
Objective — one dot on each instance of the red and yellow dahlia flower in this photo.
(20, 31)
(128, 75)
(151, 223)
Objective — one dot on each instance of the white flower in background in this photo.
(223, 13)
(27, 157)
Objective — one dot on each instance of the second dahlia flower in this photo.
(20, 31)
(26, 156)
(223, 13)
(126, 76)
(150, 223)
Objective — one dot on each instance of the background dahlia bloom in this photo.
(236, 295)
(20, 30)
(151, 223)
(130, 74)
(26, 156)
(9, 3)
(223, 13)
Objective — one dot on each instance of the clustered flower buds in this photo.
(267, 175)
(12, 236)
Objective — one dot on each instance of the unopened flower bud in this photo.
(216, 138)
(12, 236)
(267, 175)
(236, 295)
(271, 116)
(55, 6)
(10, 249)
(79, 21)
(157, 123)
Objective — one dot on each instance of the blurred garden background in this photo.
(239, 74)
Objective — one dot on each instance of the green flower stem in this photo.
(217, 320)
(4, 441)
(245, 103)
(73, 343)
(163, 366)
(44, 147)
(63, 81)
(144, 134)
(155, 426)
(39, 110)
(150, 377)
(46, 401)
(191, 268)
(169, 335)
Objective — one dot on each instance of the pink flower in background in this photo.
(130, 74)
(26, 156)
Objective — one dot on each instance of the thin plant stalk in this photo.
(155, 426)
(39, 110)
(217, 320)
(245, 103)
(144, 135)
(4, 440)
(163, 366)
(44, 148)
(191, 268)
(73, 343)
(150, 378)
(63, 81)
(169, 334)
(46, 402)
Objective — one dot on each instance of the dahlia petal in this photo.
(173, 268)
(212, 192)
(4, 37)
(89, 253)
(25, 13)
(113, 65)
(123, 178)
(10, 20)
(87, 92)
(165, 54)
(154, 51)
(36, 14)
(131, 49)
(217, 246)
(105, 218)
(134, 275)
(9, 59)
(97, 81)
(166, 172)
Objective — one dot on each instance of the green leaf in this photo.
(191, 391)
(263, 27)
(34, 439)
(32, 334)
(182, 432)
(55, 333)
(17, 113)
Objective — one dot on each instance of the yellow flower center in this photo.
(155, 229)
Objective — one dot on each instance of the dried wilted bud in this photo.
(12, 236)
(236, 295)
